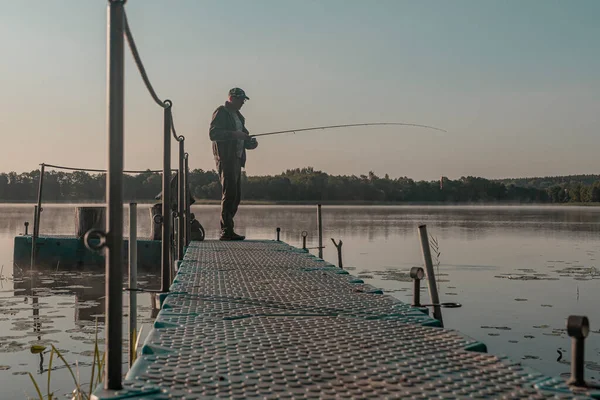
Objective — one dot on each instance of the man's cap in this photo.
(237, 92)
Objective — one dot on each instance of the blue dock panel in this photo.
(70, 252)
(262, 319)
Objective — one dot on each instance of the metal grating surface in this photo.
(265, 320)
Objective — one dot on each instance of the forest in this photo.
(310, 185)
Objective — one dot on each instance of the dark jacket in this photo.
(222, 127)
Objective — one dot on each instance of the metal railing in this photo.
(38, 208)
(118, 30)
(114, 196)
(112, 240)
(187, 195)
(165, 219)
(181, 200)
(132, 281)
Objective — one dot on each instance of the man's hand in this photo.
(240, 135)
(251, 144)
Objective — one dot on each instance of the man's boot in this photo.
(231, 235)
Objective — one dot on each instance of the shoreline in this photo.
(330, 203)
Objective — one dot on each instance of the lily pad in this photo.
(36, 349)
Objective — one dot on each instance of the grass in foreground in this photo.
(97, 372)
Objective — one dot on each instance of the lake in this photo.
(518, 272)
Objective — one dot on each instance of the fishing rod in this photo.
(347, 125)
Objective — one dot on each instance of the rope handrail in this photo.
(101, 170)
(140, 65)
(179, 138)
(144, 74)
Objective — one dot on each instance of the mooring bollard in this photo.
(578, 327)
(304, 235)
(433, 293)
(338, 246)
(278, 231)
(26, 227)
(320, 228)
(417, 274)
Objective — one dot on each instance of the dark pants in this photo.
(230, 174)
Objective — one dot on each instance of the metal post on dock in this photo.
(320, 228)
(304, 235)
(278, 231)
(417, 274)
(181, 199)
(33, 244)
(39, 199)
(166, 202)
(433, 293)
(186, 195)
(114, 197)
(173, 261)
(338, 246)
(37, 216)
(176, 232)
(132, 281)
(578, 328)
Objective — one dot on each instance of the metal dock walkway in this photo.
(262, 319)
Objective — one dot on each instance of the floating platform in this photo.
(70, 252)
(262, 319)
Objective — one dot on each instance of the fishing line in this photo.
(348, 125)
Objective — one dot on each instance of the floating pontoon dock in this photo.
(262, 319)
(70, 252)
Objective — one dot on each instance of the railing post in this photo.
(176, 236)
(132, 281)
(39, 198)
(181, 200)
(33, 244)
(166, 202)
(186, 195)
(320, 228)
(37, 216)
(174, 227)
(114, 197)
(433, 293)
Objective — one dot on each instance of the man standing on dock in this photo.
(230, 139)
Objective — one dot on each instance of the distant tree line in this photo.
(549, 181)
(307, 184)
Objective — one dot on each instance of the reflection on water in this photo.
(63, 308)
(518, 271)
(85, 288)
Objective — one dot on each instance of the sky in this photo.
(515, 84)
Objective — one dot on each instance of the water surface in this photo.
(519, 272)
